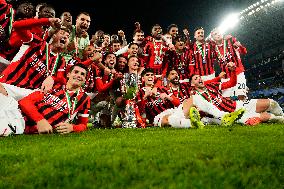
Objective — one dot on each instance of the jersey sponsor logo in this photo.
(55, 102)
(38, 64)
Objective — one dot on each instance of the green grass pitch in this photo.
(245, 157)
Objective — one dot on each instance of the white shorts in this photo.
(239, 89)
(176, 111)
(250, 109)
(11, 119)
(17, 92)
(208, 77)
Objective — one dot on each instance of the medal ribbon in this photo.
(202, 51)
(47, 61)
(222, 57)
(11, 20)
(71, 104)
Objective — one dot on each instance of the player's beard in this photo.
(175, 81)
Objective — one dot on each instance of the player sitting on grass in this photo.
(186, 116)
(64, 109)
(256, 110)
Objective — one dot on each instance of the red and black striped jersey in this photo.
(54, 107)
(24, 31)
(153, 105)
(232, 54)
(213, 94)
(182, 92)
(30, 68)
(203, 55)
(154, 52)
(182, 62)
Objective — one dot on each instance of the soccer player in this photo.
(133, 49)
(66, 19)
(97, 40)
(121, 64)
(93, 61)
(173, 31)
(179, 117)
(115, 46)
(7, 50)
(46, 11)
(151, 100)
(63, 110)
(138, 38)
(174, 87)
(106, 82)
(180, 60)
(37, 65)
(28, 29)
(107, 79)
(79, 37)
(106, 42)
(229, 50)
(203, 56)
(254, 108)
(129, 85)
(154, 50)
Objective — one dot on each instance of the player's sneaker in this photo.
(230, 118)
(195, 118)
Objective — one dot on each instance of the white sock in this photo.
(209, 120)
(179, 122)
(275, 108)
(207, 107)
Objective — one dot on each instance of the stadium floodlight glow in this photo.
(233, 19)
(230, 22)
